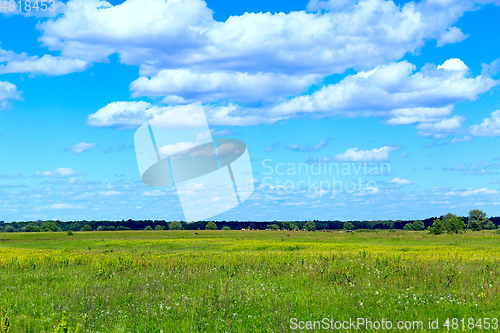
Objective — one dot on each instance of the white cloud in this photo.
(489, 126)
(373, 155)
(408, 116)
(454, 64)
(11, 62)
(65, 206)
(453, 35)
(59, 173)
(171, 149)
(109, 193)
(400, 181)
(158, 34)
(134, 114)
(465, 138)
(93, 29)
(394, 92)
(155, 193)
(81, 147)
(186, 86)
(8, 94)
(259, 58)
(442, 128)
(491, 69)
(472, 192)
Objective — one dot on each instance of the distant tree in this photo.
(408, 226)
(226, 228)
(148, 228)
(348, 226)
(86, 228)
(49, 226)
(289, 225)
(273, 226)
(160, 227)
(310, 226)
(477, 220)
(9, 228)
(174, 225)
(32, 228)
(211, 226)
(105, 228)
(418, 225)
(122, 228)
(489, 225)
(69, 233)
(498, 229)
(445, 218)
(437, 227)
(455, 226)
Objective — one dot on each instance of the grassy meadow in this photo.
(244, 281)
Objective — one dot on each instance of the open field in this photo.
(244, 281)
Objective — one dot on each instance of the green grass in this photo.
(243, 281)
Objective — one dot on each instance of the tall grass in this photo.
(243, 281)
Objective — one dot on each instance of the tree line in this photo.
(476, 220)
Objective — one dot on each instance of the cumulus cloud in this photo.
(171, 149)
(451, 36)
(155, 193)
(394, 92)
(491, 69)
(472, 192)
(81, 147)
(134, 114)
(454, 64)
(158, 34)
(109, 193)
(8, 94)
(373, 155)
(441, 129)
(489, 126)
(400, 181)
(11, 62)
(186, 86)
(59, 173)
(259, 59)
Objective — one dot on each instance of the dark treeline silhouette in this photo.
(51, 225)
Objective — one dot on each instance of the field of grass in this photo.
(244, 281)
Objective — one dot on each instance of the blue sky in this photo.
(400, 100)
